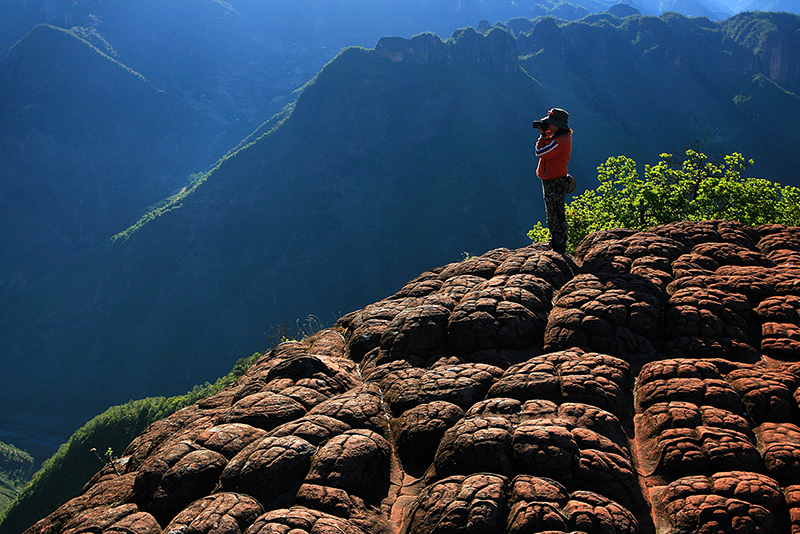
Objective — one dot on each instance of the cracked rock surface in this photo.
(649, 384)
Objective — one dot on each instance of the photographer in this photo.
(554, 148)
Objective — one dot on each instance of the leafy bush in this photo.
(676, 189)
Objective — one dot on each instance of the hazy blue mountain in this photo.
(239, 61)
(381, 169)
(737, 6)
(672, 81)
(86, 144)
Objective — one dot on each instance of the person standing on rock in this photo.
(554, 148)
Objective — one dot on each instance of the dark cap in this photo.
(557, 117)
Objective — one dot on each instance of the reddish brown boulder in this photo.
(781, 340)
(696, 381)
(779, 445)
(692, 233)
(678, 439)
(191, 419)
(222, 513)
(193, 476)
(325, 376)
(299, 520)
(692, 265)
(360, 408)
(483, 266)
(661, 417)
(465, 504)
(724, 502)
(587, 511)
(271, 470)
(706, 314)
(557, 269)
(356, 461)
(462, 385)
(330, 343)
(617, 314)
(230, 438)
(418, 431)
(634, 246)
(595, 239)
(474, 445)
(485, 503)
(315, 429)
(155, 468)
(92, 507)
(420, 331)
(792, 495)
(732, 254)
(577, 457)
(780, 309)
(265, 410)
(424, 284)
(330, 500)
(767, 394)
(364, 328)
(112, 519)
(504, 312)
(778, 237)
(679, 452)
(570, 376)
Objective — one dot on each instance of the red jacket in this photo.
(553, 154)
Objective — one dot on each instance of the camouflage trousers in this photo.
(554, 193)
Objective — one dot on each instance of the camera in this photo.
(540, 125)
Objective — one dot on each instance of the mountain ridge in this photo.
(87, 145)
(211, 198)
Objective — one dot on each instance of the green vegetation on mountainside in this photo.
(106, 436)
(15, 471)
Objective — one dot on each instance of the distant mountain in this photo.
(672, 81)
(774, 40)
(86, 145)
(381, 168)
(240, 60)
(737, 6)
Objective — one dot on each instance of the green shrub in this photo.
(676, 189)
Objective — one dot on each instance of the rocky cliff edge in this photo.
(649, 384)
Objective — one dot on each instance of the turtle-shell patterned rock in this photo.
(221, 513)
(724, 502)
(613, 314)
(648, 384)
(507, 311)
(300, 520)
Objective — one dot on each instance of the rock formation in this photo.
(649, 384)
